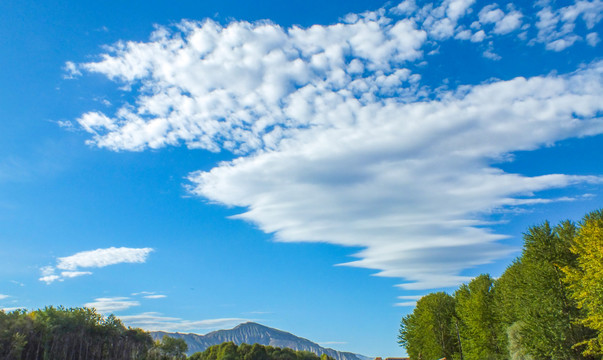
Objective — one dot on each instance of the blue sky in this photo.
(313, 166)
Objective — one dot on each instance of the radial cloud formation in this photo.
(340, 140)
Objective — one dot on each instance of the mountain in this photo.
(251, 333)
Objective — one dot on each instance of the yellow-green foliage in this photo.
(586, 280)
(547, 305)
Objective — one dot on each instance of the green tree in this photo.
(74, 334)
(173, 348)
(516, 350)
(479, 329)
(257, 352)
(541, 298)
(253, 352)
(585, 280)
(427, 332)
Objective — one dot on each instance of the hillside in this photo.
(251, 333)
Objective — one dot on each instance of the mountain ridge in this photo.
(251, 333)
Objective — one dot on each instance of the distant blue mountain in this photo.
(251, 333)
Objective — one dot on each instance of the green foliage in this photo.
(231, 351)
(516, 349)
(548, 304)
(478, 321)
(547, 312)
(428, 333)
(585, 280)
(76, 333)
(172, 348)
(507, 299)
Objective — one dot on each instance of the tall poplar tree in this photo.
(479, 324)
(428, 333)
(585, 280)
(547, 312)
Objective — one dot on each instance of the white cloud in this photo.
(143, 293)
(464, 35)
(491, 14)
(48, 275)
(490, 54)
(71, 70)
(158, 296)
(458, 8)
(112, 304)
(2, 296)
(593, 39)
(187, 75)
(406, 303)
(411, 300)
(98, 258)
(503, 23)
(72, 274)
(327, 343)
(562, 44)
(590, 12)
(103, 257)
(269, 65)
(405, 181)
(338, 143)
(509, 23)
(406, 7)
(556, 26)
(478, 36)
(441, 21)
(49, 279)
(152, 321)
(10, 309)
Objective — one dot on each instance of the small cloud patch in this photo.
(72, 265)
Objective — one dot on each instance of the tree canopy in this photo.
(585, 279)
(230, 351)
(78, 334)
(548, 304)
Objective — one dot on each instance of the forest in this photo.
(548, 304)
(78, 334)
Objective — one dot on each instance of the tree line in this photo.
(548, 304)
(78, 334)
(230, 351)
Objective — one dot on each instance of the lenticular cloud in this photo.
(338, 139)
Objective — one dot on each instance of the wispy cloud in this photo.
(411, 300)
(149, 295)
(153, 321)
(340, 142)
(405, 181)
(158, 296)
(112, 304)
(2, 296)
(9, 309)
(259, 312)
(72, 265)
(327, 343)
